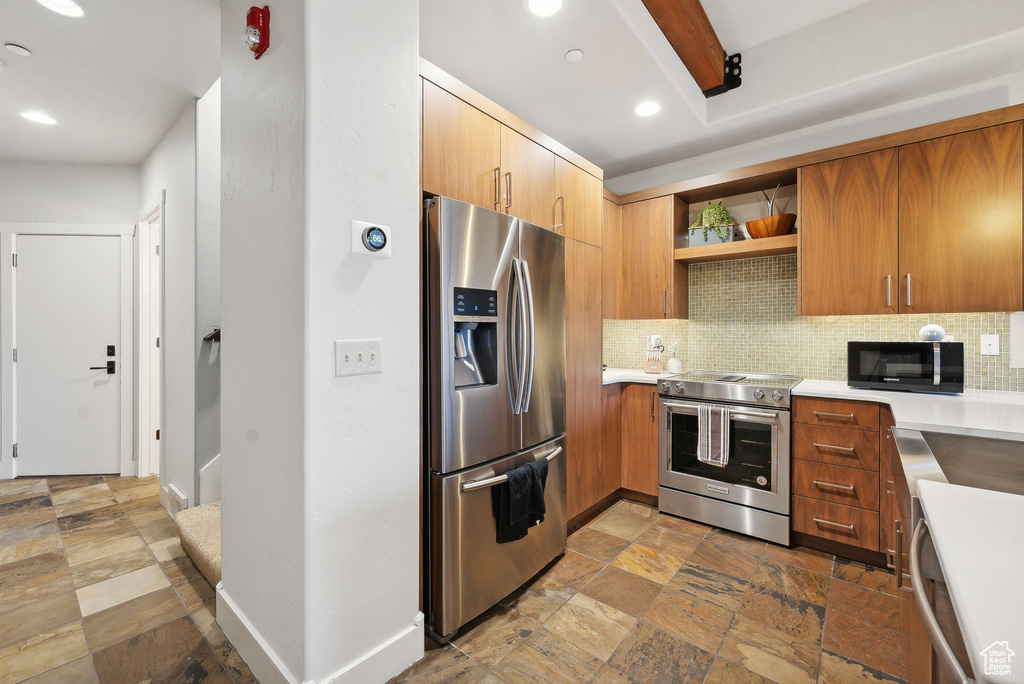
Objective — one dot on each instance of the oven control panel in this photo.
(773, 391)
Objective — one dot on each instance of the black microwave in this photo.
(907, 366)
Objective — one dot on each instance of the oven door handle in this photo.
(740, 411)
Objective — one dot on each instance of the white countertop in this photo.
(979, 539)
(613, 375)
(978, 413)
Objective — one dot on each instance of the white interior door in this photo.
(67, 312)
(156, 316)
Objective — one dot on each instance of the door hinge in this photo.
(15, 450)
(158, 343)
(15, 356)
(158, 250)
(14, 260)
(158, 435)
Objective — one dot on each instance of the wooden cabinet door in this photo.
(611, 442)
(960, 222)
(578, 198)
(461, 149)
(640, 439)
(528, 179)
(849, 235)
(652, 281)
(583, 376)
(887, 508)
(611, 260)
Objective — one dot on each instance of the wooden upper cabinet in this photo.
(461, 149)
(583, 376)
(849, 235)
(578, 199)
(640, 438)
(527, 179)
(960, 222)
(611, 260)
(654, 284)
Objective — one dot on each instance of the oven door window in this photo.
(750, 452)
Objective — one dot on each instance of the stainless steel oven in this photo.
(750, 493)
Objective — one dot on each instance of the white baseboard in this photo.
(173, 499)
(254, 650)
(209, 481)
(385, 661)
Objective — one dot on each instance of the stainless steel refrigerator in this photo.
(494, 398)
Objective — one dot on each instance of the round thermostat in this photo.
(374, 239)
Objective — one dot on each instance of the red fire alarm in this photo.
(257, 30)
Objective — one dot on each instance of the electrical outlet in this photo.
(990, 345)
(356, 357)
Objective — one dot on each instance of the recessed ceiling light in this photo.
(648, 108)
(69, 8)
(18, 50)
(542, 8)
(39, 117)
(574, 55)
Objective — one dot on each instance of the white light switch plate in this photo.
(356, 357)
(990, 345)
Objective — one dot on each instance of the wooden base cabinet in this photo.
(640, 438)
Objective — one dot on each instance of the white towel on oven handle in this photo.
(713, 435)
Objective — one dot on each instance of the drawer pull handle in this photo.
(826, 414)
(848, 450)
(848, 488)
(833, 524)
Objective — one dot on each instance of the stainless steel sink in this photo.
(996, 464)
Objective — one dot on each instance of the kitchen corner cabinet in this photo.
(583, 407)
(578, 203)
(461, 155)
(960, 224)
(849, 235)
(611, 259)
(654, 284)
(639, 430)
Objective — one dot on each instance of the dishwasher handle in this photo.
(943, 650)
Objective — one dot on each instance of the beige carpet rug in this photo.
(199, 531)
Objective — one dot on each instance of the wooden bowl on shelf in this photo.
(772, 226)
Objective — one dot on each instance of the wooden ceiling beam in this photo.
(691, 35)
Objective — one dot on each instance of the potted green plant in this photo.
(713, 226)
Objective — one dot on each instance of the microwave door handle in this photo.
(936, 364)
(524, 267)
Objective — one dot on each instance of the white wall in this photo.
(171, 166)
(972, 99)
(263, 316)
(362, 433)
(68, 193)
(208, 176)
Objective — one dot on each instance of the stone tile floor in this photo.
(644, 597)
(95, 587)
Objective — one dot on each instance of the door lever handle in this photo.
(111, 367)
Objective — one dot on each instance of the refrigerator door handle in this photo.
(531, 335)
(518, 336)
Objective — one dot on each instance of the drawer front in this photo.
(846, 524)
(857, 415)
(836, 446)
(848, 486)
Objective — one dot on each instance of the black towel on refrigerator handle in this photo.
(518, 504)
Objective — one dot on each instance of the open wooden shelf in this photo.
(746, 249)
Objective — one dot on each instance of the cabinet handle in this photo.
(561, 200)
(508, 190)
(826, 414)
(497, 188)
(891, 491)
(909, 303)
(888, 290)
(898, 543)
(664, 303)
(848, 488)
(833, 524)
(652, 405)
(848, 450)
